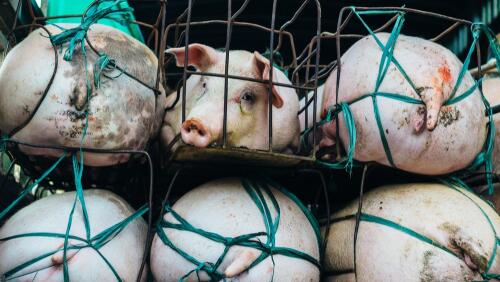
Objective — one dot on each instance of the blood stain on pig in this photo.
(445, 74)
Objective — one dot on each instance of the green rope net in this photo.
(458, 186)
(95, 242)
(76, 36)
(347, 162)
(256, 189)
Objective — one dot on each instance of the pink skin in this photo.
(124, 252)
(123, 114)
(194, 132)
(417, 135)
(247, 105)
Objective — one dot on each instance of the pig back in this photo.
(415, 232)
(491, 90)
(434, 70)
(50, 215)
(225, 208)
(122, 112)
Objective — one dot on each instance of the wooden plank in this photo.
(239, 156)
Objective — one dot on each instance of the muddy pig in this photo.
(414, 232)
(429, 139)
(122, 113)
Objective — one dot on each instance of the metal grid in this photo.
(304, 60)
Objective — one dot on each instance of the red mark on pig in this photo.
(445, 74)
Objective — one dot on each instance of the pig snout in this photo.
(193, 132)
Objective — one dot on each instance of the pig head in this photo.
(247, 103)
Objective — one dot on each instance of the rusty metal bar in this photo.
(186, 50)
(234, 23)
(271, 71)
(226, 72)
(315, 96)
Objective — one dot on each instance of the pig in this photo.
(247, 107)
(425, 139)
(450, 218)
(105, 209)
(491, 91)
(123, 113)
(224, 207)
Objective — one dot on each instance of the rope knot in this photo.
(95, 12)
(102, 65)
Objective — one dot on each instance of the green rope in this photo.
(31, 187)
(76, 36)
(96, 242)
(101, 64)
(256, 189)
(483, 158)
(452, 183)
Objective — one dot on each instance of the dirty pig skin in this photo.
(123, 113)
(451, 218)
(427, 139)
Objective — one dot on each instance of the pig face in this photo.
(247, 103)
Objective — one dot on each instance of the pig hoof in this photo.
(58, 258)
(469, 263)
(241, 263)
(418, 120)
(432, 118)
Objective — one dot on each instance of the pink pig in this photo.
(428, 139)
(247, 105)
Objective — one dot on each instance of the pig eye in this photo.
(247, 96)
(204, 85)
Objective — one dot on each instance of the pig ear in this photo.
(264, 67)
(200, 56)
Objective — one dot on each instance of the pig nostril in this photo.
(201, 132)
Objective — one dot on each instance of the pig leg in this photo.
(418, 119)
(58, 258)
(433, 98)
(241, 262)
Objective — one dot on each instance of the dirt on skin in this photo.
(448, 115)
(463, 244)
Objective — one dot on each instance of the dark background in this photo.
(304, 28)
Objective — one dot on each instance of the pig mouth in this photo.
(194, 132)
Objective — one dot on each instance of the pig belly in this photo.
(437, 212)
(405, 258)
(124, 252)
(224, 207)
(460, 131)
(123, 114)
(457, 139)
